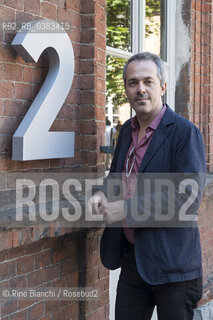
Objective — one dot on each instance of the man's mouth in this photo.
(141, 98)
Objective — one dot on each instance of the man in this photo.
(159, 265)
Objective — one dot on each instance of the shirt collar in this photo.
(154, 124)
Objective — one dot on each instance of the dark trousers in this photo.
(136, 299)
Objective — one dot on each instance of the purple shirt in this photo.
(134, 158)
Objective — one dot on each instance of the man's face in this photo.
(143, 88)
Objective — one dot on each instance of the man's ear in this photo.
(163, 89)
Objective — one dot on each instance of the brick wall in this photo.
(83, 110)
(51, 256)
(194, 101)
(201, 114)
(61, 262)
(206, 231)
(200, 73)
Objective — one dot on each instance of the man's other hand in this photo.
(96, 201)
(113, 211)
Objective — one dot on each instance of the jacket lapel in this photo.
(126, 141)
(161, 133)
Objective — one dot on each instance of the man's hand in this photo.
(111, 211)
(96, 201)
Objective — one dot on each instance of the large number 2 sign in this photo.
(33, 140)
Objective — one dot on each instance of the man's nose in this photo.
(141, 87)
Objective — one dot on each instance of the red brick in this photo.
(97, 315)
(51, 306)
(75, 35)
(20, 315)
(12, 72)
(50, 243)
(42, 259)
(102, 271)
(8, 125)
(73, 310)
(73, 4)
(32, 75)
(104, 299)
(100, 41)
(7, 14)
(100, 70)
(48, 10)
(66, 15)
(14, 108)
(23, 17)
(46, 318)
(2, 146)
(6, 163)
(93, 260)
(5, 240)
(87, 97)
(1, 108)
(1, 71)
(100, 99)
(100, 14)
(87, 112)
(69, 266)
(23, 91)
(88, 127)
(206, 8)
(76, 83)
(73, 97)
(100, 55)
(51, 273)
(7, 89)
(73, 279)
(88, 7)
(87, 82)
(3, 183)
(87, 36)
(102, 3)
(88, 21)
(58, 255)
(101, 85)
(32, 6)
(7, 270)
(102, 284)
(88, 142)
(69, 112)
(23, 165)
(18, 282)
(17, 5)
(23, 304)
(8, 307)
(25, 264)
(61, 3)
(36, 311)
(76, 49)
(61, 314)
(19, 238)
(91, 276)
(100, 113)
(87, 51)
(87, 67)
(35, 278)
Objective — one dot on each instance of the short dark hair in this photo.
(161, 72)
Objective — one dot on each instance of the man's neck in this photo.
(145, 120)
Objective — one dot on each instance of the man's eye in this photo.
(132, 83)
(149, 81)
